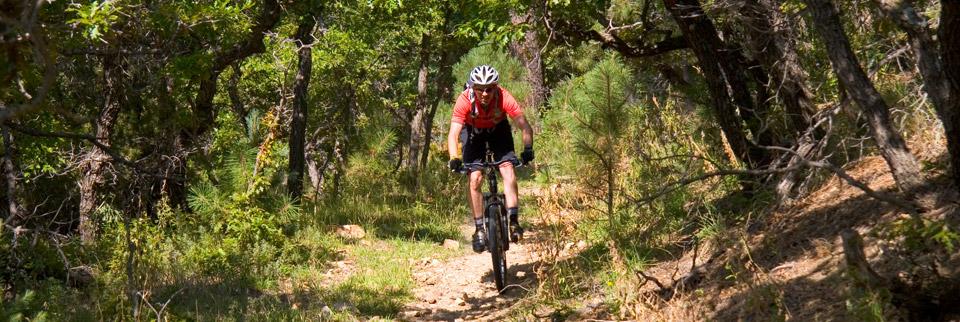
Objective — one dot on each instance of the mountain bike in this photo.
(495, 220)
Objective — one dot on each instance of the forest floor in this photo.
(788, 263)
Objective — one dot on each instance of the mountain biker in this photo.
(480, 117)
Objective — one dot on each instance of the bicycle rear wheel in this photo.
(496, 246)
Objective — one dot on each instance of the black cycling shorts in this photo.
(475, 143)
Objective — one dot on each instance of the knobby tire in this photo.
(496, 247)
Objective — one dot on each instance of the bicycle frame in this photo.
(494, 200)
(492, 197)
(495, 221)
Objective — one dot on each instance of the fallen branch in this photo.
(648, 278)
(673, 186)
(909, 207)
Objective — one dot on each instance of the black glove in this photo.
(527, 155)
(455, 165)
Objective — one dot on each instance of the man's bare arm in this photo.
(453, 139)
(525, 129)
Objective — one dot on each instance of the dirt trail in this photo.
(462, 288)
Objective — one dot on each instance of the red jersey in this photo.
(468, 111)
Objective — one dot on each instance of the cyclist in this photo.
(480, 118)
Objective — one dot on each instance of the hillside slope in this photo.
(788, 263)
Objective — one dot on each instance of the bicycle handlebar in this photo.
(491, 165)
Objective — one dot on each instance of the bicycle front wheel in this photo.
(496, 246)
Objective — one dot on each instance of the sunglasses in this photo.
(487, 90)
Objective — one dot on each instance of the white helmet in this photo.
(484, 75)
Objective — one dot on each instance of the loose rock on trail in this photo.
(462, 288)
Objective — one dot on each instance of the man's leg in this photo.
(509, 183)
(476, 206)
(472, 152)
(476, 197)
(510, 192)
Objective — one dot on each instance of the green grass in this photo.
(383, 280)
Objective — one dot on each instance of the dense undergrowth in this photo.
(244, 250)
(622, 132)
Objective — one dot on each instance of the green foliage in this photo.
(95, 18)
(573, 60)
(868, 305)
(613, 128)
(921, 236)
(23, 303)
(241, 209)
(590, 116)
(47, 300)
(386, 205)
(383, 291)
(371, 163)
(489, 21)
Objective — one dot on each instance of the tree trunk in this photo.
(10, 175)
(949, 35)
(420, 123)
(203, 108)
(527, 51)
(298, 124)
(771, 39)
(935, 81)
(924, 50)
(95, 162)
(444, 82)
(906, 170)
(171, 164)
(318, 155)
(315, 171)
(235, 103)
(252, 44)
(344, 138)
(708, 48)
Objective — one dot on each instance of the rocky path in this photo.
(462, 288)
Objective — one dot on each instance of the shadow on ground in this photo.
(799, 255)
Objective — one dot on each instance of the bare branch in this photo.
(803, 162)
(673, 186)
(89, 138)
(651, 279)
(899, 203)
(609, 39)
